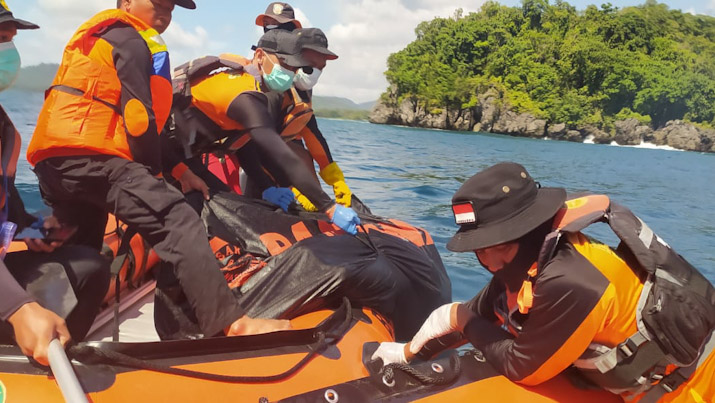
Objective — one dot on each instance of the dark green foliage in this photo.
(591, 66)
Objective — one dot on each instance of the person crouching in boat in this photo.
(299, 127)
(96, 150)
(235, 109)
(637, 320)
(27, 311)
(280, 15)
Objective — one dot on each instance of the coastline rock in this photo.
(573, 135)
(522, 124)
(491, 114)
(631, 132)
(598, 135)
(557, 130)
(684, 136)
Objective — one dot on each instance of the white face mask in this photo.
(304, 81)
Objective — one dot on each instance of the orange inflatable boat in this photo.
(326, 359)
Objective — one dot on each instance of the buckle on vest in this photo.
(672, 381)
(628, 347)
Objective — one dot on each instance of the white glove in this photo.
(390, 352)
(437, 324)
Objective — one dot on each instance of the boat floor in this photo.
(136, 317)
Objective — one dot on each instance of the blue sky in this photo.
(362, 32)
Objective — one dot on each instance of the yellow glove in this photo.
(300, 198)
(333, 176)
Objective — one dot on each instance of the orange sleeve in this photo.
(572, 303)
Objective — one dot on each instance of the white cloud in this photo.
(364, 34)
(368, 31)
(711, 8)
(64, 16)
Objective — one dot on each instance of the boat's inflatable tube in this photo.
(282, 265)
(323, 363)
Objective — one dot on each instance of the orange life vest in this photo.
(81, 114)
(296, 113)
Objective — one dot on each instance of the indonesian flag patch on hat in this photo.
(464, 213)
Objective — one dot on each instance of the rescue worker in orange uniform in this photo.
(96, 149)
(281, 15)
(28, 313)
(239, 109)
(637, 320)
(315, 51)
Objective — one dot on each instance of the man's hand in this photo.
(281, 197)
(245, 326)
(39, 245)
(343, 194)
(35, 327)
(344, 217)
(189, 181)
(391, 352)
(446, 319)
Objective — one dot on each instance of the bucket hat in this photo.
(499, 204)
(6, 15)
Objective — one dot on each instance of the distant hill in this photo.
(39, 78)
(337, 103)
(36, 78)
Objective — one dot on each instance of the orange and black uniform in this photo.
(584, 294)
(87, 272)
(302, 127)
(97, 150)
(235, 103)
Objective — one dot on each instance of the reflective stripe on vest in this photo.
(81, 109)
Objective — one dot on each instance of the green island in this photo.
(603, 74)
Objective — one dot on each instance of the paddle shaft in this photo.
(64, 374)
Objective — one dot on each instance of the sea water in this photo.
(411, 174)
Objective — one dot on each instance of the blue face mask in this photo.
(280, 79)
(9, 64)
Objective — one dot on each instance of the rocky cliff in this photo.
(493, 115)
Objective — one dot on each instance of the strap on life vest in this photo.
(525, 298)
(676, 378)
(637, 363)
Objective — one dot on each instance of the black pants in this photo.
(83, 190)
(38, 273)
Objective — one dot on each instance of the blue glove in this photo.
(281, 197)
(345, 218)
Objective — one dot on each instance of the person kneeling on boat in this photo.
(96, 150)
(30, 279)
(637, 320)
(234, 110)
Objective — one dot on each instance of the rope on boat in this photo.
(91, 355)
(389, 373)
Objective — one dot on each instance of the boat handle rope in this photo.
(388, 372)
(90, 354)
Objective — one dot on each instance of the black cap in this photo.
(500, 204)
(6, 15)
(186, 4)
(283, 44)
(314, 39)
(281, 12)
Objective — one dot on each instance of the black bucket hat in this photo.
(500, 204)
(283, 44)
(281, 12)
(315, 39)
(6, 15)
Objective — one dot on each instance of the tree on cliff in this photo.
(564, 65)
